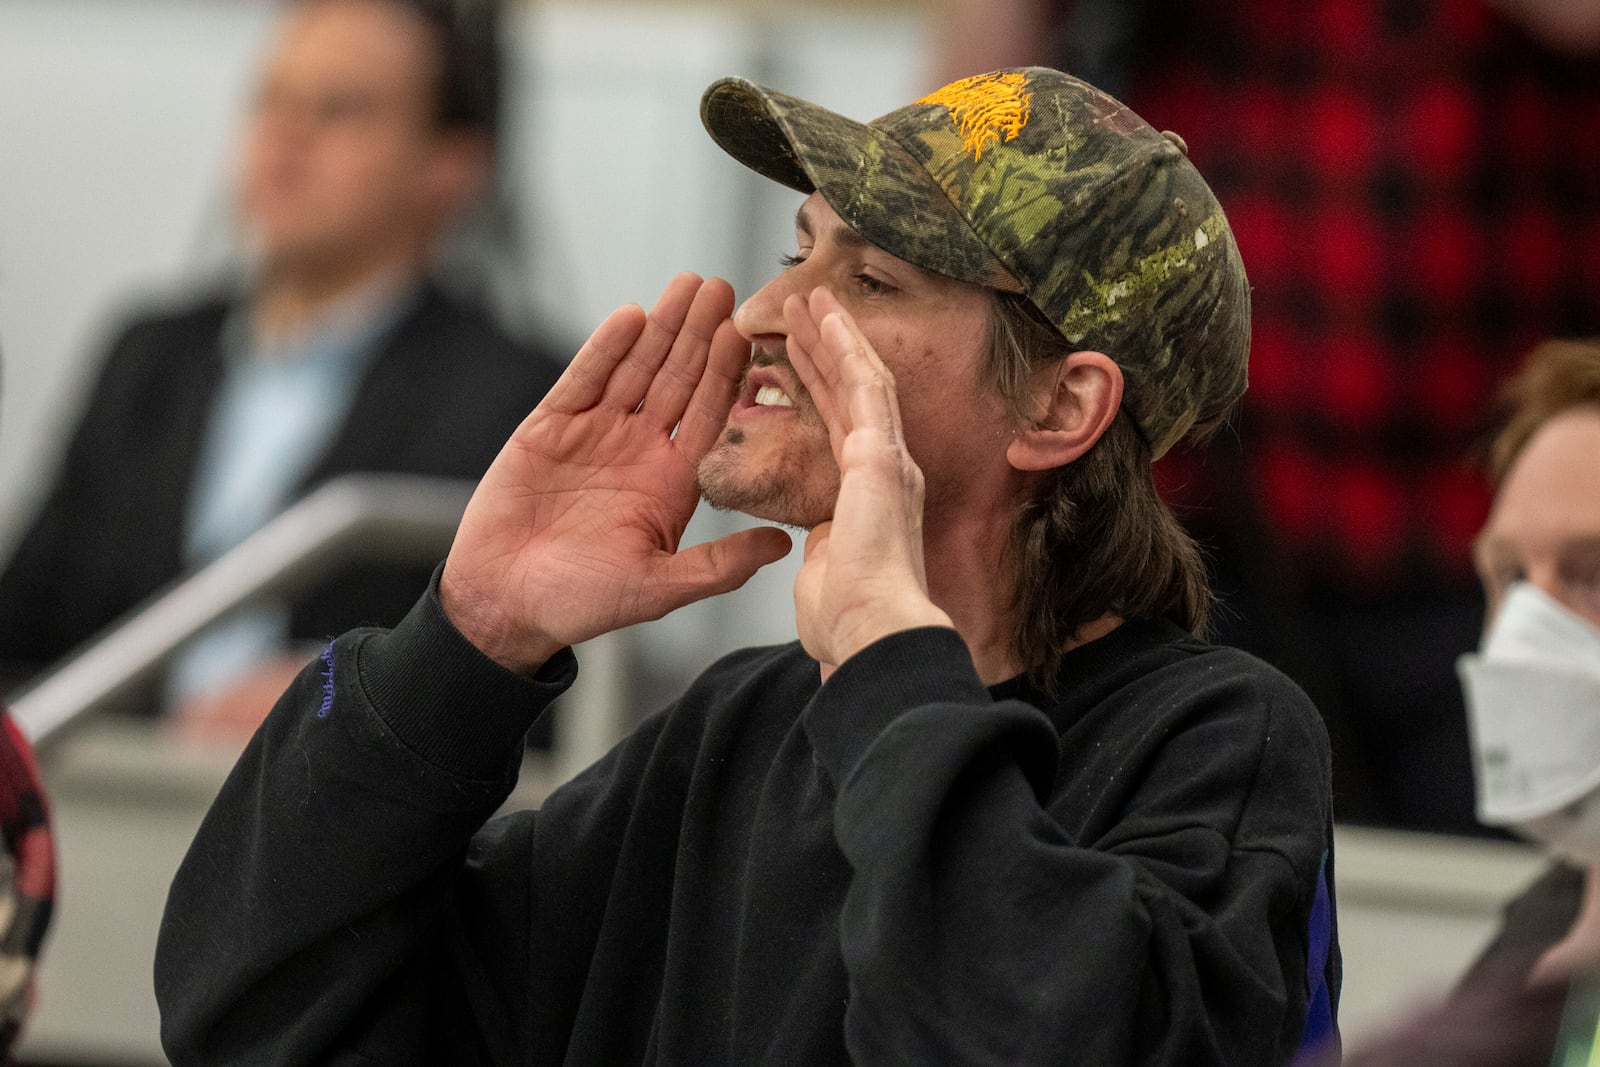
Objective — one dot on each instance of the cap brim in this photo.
(878, 187)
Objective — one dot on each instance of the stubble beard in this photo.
(780, 494)
(784, 491)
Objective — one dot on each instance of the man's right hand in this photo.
(574, 530)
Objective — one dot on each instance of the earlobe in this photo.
(1077, 399)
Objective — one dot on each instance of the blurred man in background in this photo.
(373, 131)
(1416, 187)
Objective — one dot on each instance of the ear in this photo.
(1075, 399)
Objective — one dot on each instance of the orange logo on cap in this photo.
(989, 108)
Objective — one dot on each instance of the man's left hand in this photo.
(863, 576)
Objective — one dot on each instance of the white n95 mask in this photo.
(1533, 715)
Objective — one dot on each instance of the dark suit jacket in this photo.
(442, 396)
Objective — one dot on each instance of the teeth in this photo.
(772, 396)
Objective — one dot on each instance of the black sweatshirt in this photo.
(901, 866)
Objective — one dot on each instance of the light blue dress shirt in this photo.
(276, 412)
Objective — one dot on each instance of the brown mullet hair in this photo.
(1556, 377)
(1096, 539)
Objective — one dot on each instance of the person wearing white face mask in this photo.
(1533, 702)
(1533, 693)
(1533, 699)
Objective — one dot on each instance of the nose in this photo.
(761, 315)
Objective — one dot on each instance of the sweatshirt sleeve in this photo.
(977, 929)
(329, 909)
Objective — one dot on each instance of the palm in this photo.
(570, 504)
(574, 530)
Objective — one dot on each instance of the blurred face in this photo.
(339, 156)
(1544, 527)
(774, 460)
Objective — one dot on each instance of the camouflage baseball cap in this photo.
(1031, 181)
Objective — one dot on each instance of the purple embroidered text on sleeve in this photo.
(327, 682)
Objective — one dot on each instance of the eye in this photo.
(345, 107)
(787, 260)
(873, 286)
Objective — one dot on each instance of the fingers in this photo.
(718, 566)
(817, 540)
(675, 383)
(582, 383)
(801, 346)
(849, 384)
(867, 385)
(652, 362)
(620, 359)
(630, 379)
(856, 364)
(708, 408)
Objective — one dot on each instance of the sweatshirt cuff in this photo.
(446, 700)
(905, 670)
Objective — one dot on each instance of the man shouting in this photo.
(998, 804)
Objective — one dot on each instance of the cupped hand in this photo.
(574, 531)
(863, 576)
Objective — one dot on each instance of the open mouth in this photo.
(766, 386)
(770, 396)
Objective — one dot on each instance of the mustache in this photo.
(771, 356)
(777, 356)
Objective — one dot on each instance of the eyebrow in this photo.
(843, 234)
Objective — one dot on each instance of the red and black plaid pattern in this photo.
(27, 878)
(1415, 187)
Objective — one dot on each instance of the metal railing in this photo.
(367, 516)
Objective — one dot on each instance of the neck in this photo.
(981, 603)
(290, 297)
(977, 599)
